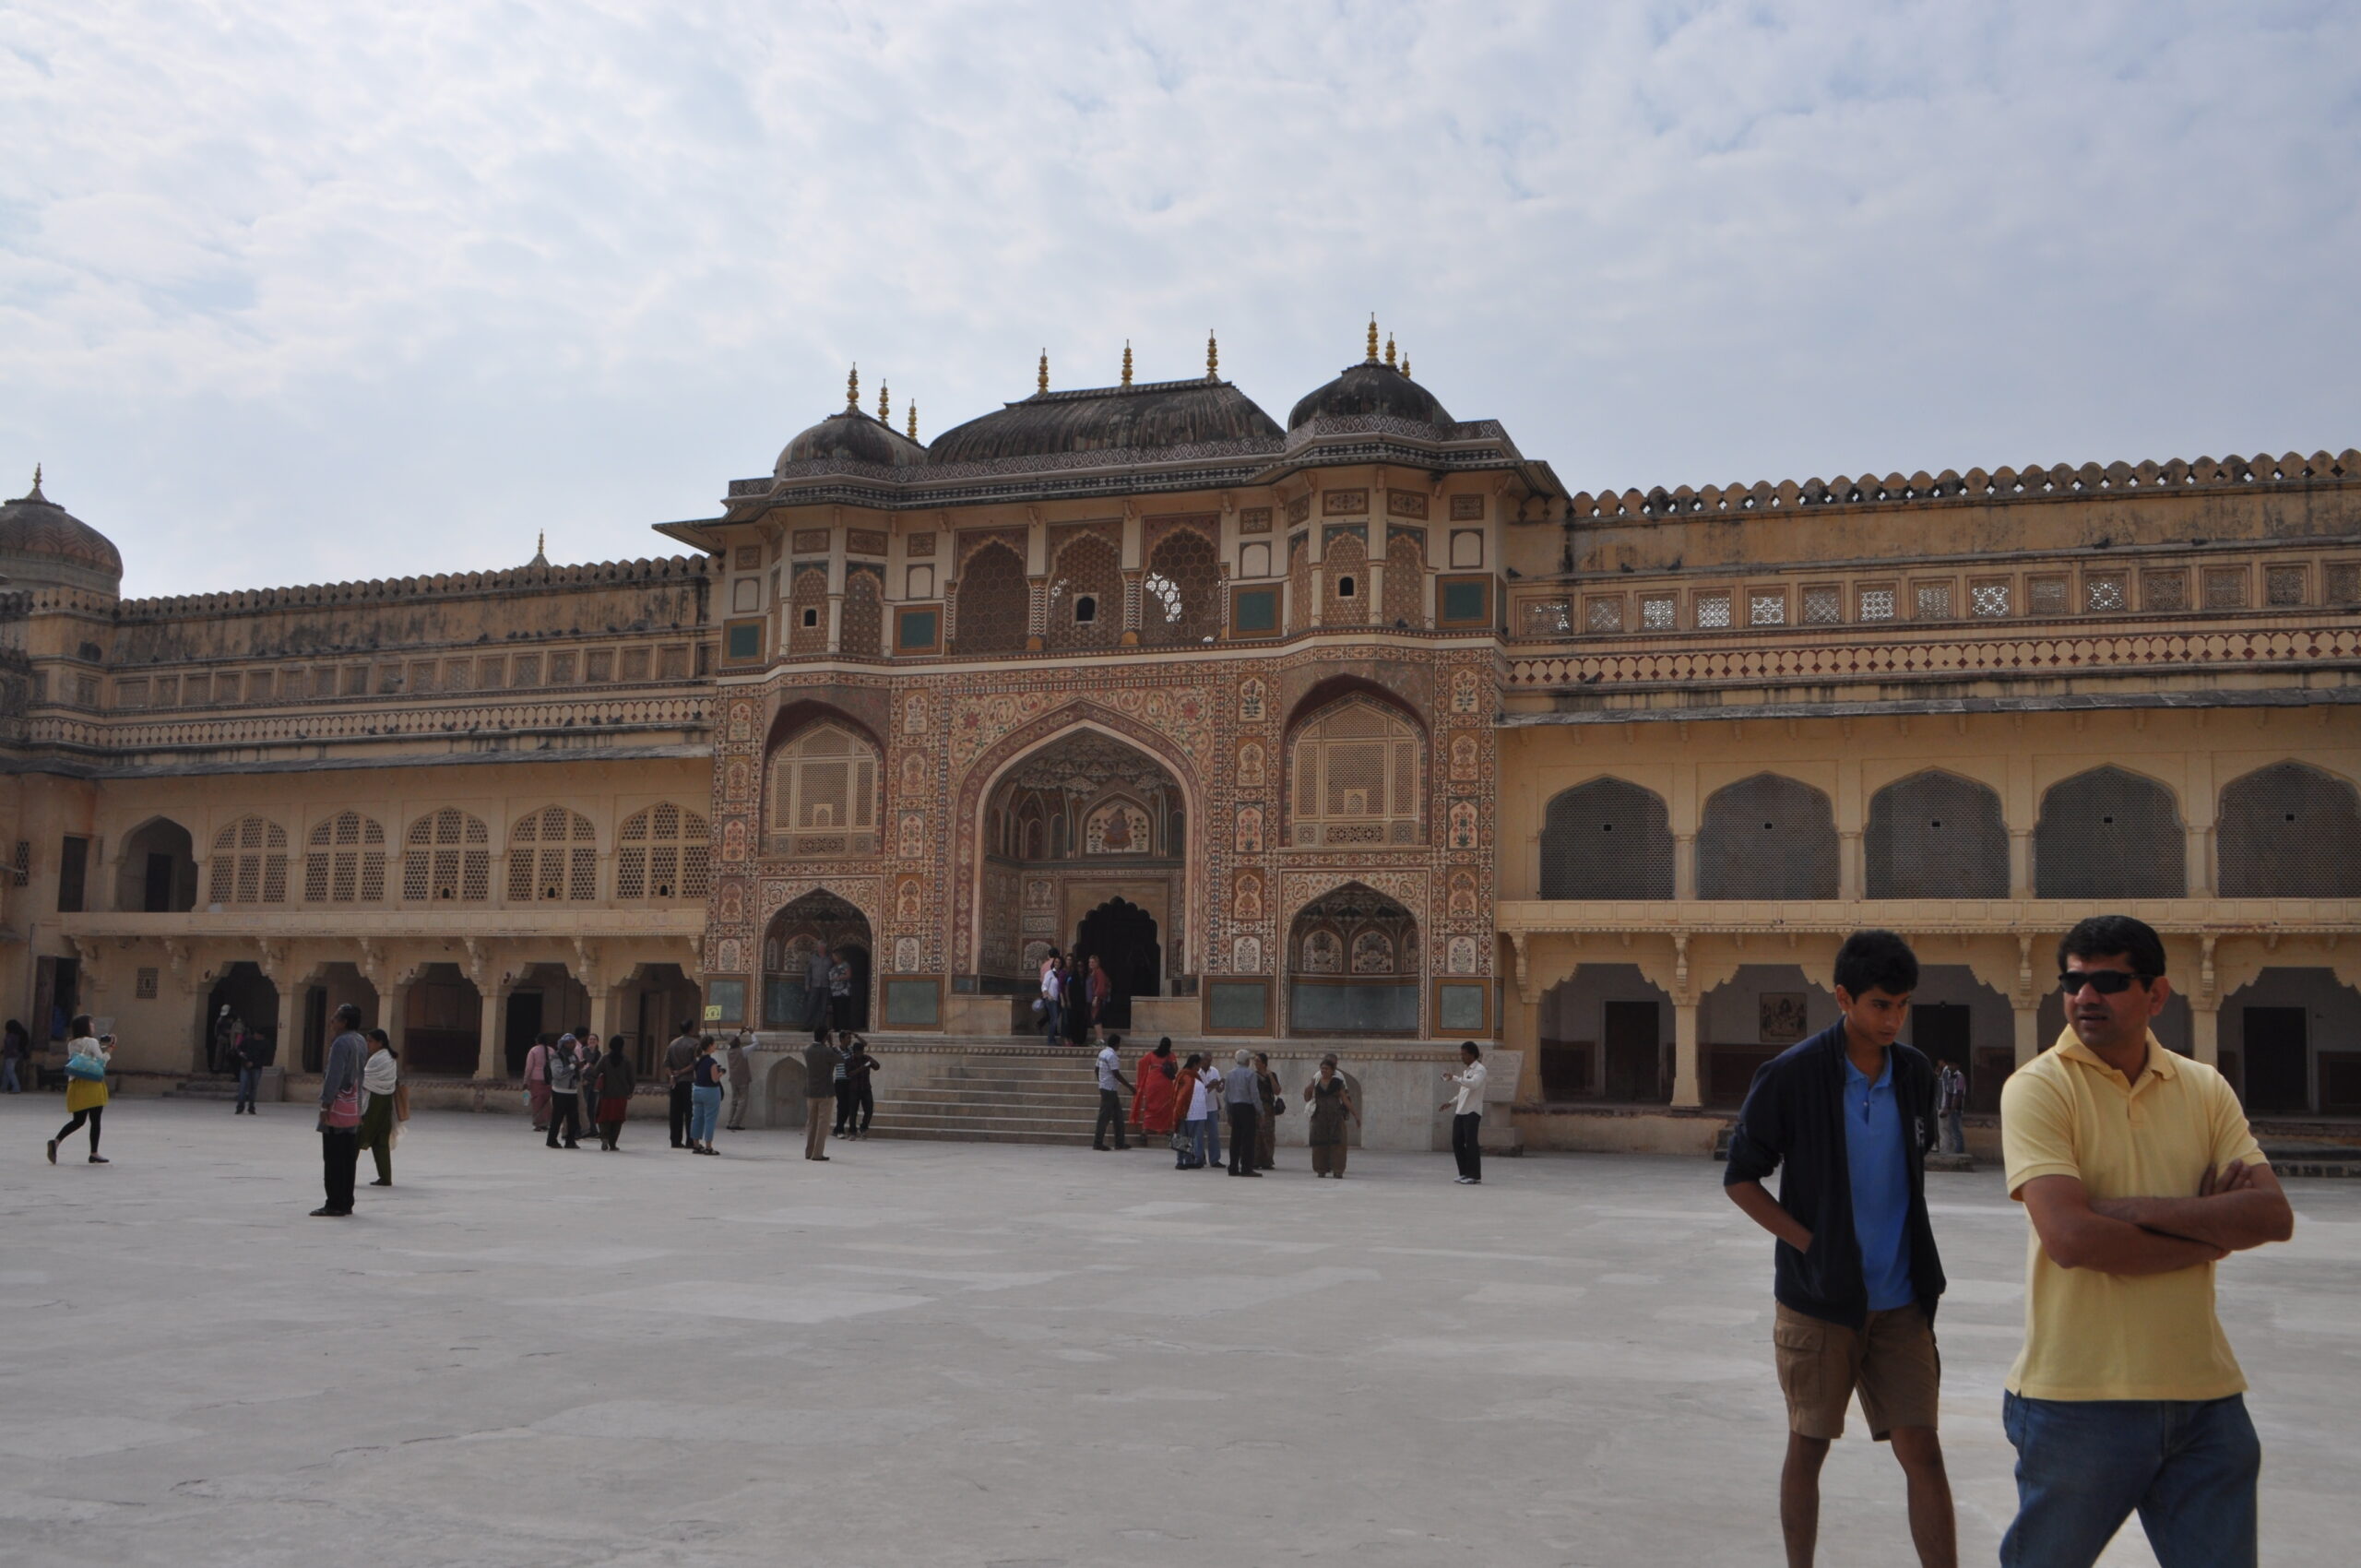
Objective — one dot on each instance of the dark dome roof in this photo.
(854, 437)
(1369, 388)
(42, 542)
(1145, 416)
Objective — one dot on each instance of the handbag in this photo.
(1278, 1105)
(1181, 1143)
(344, 1112)
(87, 1067)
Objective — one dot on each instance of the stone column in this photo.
(835, 623)
(2021, 862)
(493, 1004)
(1684, 866)
(2028, 1022)
(395, 1015)
(2205, 1030)
(291, 1024)
(1687, 1087)
(1851, 876)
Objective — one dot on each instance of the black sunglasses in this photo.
(2106, 982)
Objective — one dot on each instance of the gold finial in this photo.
(1212, 358)
(1127, 362)
(1406, 365)
(35, 493)
(852, 389)
(1372, 338)
(1388, 350)
(914, 419)
(541, 543)
(1041, 376)
(884, 403)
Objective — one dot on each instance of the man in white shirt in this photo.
(1467, 1107)
(1111, 1085)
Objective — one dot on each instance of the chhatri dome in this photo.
(1133, 416)
(1374, 387)
(44, 545)
(849, 435)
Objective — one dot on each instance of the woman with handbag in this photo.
(380, 1078)
(1331, 1104)
(614, 1083)
(86, 1087)
(340, 1113)
(1266, 1132)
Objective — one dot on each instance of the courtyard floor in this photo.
(956, 1355)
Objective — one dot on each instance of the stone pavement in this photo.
(958, 1354)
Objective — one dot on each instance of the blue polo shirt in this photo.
(1874, 1160)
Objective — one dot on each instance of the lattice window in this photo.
(1609, 839)
(249, 863)
(1766, 609)
(1990, 601)
(1877, 604)
(1298, 582)
(1355, 772)
(1345, 566)
(1604, 614)
(1713, 612)
(2283, 585)
(823, 794)
(1659, 612)
(2345, 582)
(994, 602)
(863, 632)
(2165, 592)
(1406, 577)
(344, 860)
(1932, 601)
(635, 664)
(1181, 597)
(446, 859)
(1935, 835)
(661, 853)
(807, 612)
(1543, 617)
(2226, 588)
(2290, 831)
(1824, 605)
(2105, 591)
(552, 857)
(1085, 596)
(2109, 834)
(2045, 596)
(1767, 837)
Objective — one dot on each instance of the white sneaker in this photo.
(1464, 1180)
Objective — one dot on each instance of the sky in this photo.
(296, 293)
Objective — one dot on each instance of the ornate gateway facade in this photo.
(1358, 730)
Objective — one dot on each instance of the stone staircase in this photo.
(204, 1087)
(993, 1099)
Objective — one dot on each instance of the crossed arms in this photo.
(2235, 1207)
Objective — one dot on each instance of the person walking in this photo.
(1052, 990)
(245, 1060)
(380, 1101)
(1097, 986)
(705, 1095)
(1151, 1100)
(1241, 1095)
(1951, 1089)
(859, 1097)
(820, 1062)
(1846, 1118)
(1330, 1104)
(566, 1067)
(536, 1083)
(741, 1081)
(87, 1060)
(1111, 1085)
(1266, 1127)
(2140, 1173)
(1195, 1102)
(340, 1113)
(815, 992)
(15, 1057)
(680, 1059)
(612, 1084)
(1467, 1106)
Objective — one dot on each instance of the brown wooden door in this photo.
(1633, 1051)
(2277, 1060)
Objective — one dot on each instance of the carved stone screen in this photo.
(1767, 837)
(1609, 839)
(1181, 600)
(1356, 773)
(993, 600)
(1086, 597)
(345, 862)
(2289, 831)
(824, 795)
(2109, 834)
(1937, 836)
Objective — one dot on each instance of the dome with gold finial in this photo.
(1376, 387)
(849, 435)
(43, 545)
(1132, 416)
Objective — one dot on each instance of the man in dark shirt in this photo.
(341, 1126)
(815, 992)
(679, 1060)
(819, 1060)
(1850, 1114)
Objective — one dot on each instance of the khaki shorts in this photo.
(1892, 1361)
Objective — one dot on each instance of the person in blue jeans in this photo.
(2140, 1174)
(705, 1096)
(245, 1054)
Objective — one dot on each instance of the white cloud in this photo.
(289, 294)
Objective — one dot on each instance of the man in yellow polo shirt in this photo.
(2138, 1172)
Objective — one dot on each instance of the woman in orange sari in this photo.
(1153, 1097)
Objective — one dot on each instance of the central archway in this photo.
(819, 922)
(1122, 937)
(1353, 965)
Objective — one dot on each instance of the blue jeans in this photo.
(1049, 1018)
(8, 1083)
(2084, 1465)
(1955, 1134)
(1200, 1136)
(248, 1077)
(704, 1110)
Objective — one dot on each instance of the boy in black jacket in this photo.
(1850, 1114)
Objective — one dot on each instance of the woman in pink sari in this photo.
(536, 1084)
(1153, 1099)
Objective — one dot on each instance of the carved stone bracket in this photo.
(1524, 980)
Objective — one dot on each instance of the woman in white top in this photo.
(1052, 990)
(1191, 1105)
(380, 1076)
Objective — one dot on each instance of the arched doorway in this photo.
(1353, 965)
(442, 1023)
(157, 874)
(1122, 936)
(330, 987)
(1084, 827)
(822, 922)
(253, 1002)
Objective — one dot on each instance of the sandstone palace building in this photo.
(1358, 731)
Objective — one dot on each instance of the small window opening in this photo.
(1347, 587)
(1086, 608)
(810, 615)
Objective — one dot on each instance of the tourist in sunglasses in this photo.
(2140, 1174)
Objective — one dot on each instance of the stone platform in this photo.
(928, 1355)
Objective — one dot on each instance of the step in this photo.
(203, 1088)
(982, 1120)
(976, 1135)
